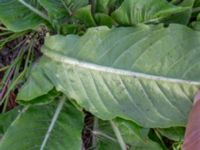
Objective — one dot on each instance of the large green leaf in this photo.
(18, 17)
(147, 74)
(56, 126)
(135, 137)
(132, 12)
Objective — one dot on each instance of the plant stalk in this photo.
(21, 75)
(118, 136)
(97, 133)
(95, 127)
(68, 9)
(4, 68)
(53, 121)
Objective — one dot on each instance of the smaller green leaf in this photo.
(41, 100)
(132, 12)
(104, 5)
(103, 19)
(174, 133)
(37, 85)
(55, 8)
(59, 9)
(134, 136)
(84, 15)
(69, 29)
(182, 17)
(196, 24)
(197, 3)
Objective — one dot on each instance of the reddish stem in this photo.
(5, 87)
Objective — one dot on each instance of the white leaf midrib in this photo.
(82, 64)
(53, 121)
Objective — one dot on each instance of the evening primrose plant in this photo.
(132, 64)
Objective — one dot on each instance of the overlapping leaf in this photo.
(58, 9)
(7, 118)
(18, 17)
